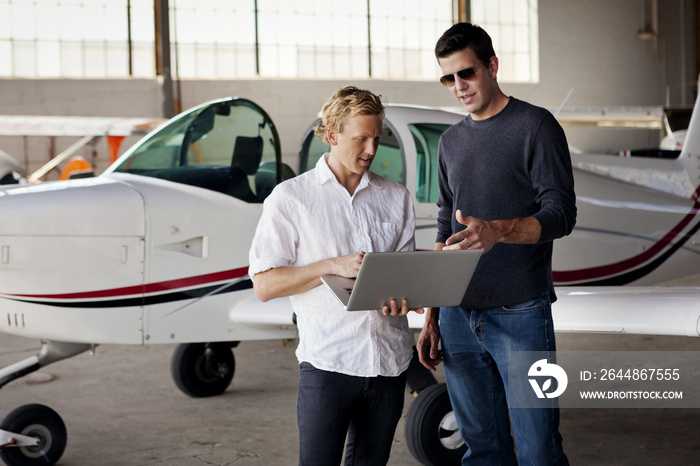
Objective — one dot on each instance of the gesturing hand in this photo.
(478, 234)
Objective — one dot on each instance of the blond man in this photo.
(352, 364)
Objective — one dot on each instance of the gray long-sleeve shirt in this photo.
(514, 164)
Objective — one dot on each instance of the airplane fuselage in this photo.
(155, 250)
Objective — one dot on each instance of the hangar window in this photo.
(76, 38)
(210, 39)
(216, 39)
(387, 39)
(513, 27)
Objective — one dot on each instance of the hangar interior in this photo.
(153, 58)
(105, 58)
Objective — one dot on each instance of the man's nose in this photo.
(460, 83)
(371, 147)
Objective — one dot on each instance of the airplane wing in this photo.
(635, 117)
(612, 117)
(86, 128)
(667, 310)
(31, 125)
(269, 320)
(622, 309)
(602, 309)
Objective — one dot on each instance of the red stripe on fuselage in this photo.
(149, 288)
(568, 276)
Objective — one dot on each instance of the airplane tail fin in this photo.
(690, 154)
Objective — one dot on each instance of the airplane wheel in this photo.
(38, 421)
(431, 429)
(203, 369)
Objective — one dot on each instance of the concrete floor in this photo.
(121, 407)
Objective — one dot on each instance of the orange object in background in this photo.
(77, 167)
(114, 142)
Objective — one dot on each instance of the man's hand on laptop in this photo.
(393, 308)
(347, 266)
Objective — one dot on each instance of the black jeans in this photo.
(331, 406)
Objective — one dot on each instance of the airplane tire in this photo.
(431, 429)
(203, 369)
(39, 421)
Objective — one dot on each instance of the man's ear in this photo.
(493, 67)
(331, 136)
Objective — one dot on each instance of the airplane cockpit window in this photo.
(426, 137)
(388, 161)
(230, 147)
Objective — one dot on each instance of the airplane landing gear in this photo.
(203, 369)
(32, 435)
(431, 429)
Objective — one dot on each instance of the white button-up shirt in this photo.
(313, 217)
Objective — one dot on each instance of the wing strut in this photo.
(34, 177)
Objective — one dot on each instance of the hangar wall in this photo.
(589, 46)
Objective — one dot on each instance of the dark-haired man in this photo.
(506, 187)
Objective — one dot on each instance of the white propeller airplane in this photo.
(155, 251)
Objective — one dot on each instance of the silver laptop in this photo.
(424, 278)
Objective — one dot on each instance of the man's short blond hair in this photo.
(346, 103)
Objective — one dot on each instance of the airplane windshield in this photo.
(230, 147)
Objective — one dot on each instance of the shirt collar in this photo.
(324, 174)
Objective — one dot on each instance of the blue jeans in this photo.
(475, 345)
(331, 406)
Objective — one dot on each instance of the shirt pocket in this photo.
(384, 236)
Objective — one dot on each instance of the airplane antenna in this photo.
(566, 99)
(667, 125)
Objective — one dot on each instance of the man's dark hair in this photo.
(463, 35)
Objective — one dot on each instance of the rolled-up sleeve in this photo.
(274, 243)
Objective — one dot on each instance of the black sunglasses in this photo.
(467, 74)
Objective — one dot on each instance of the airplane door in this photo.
(425, 137)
